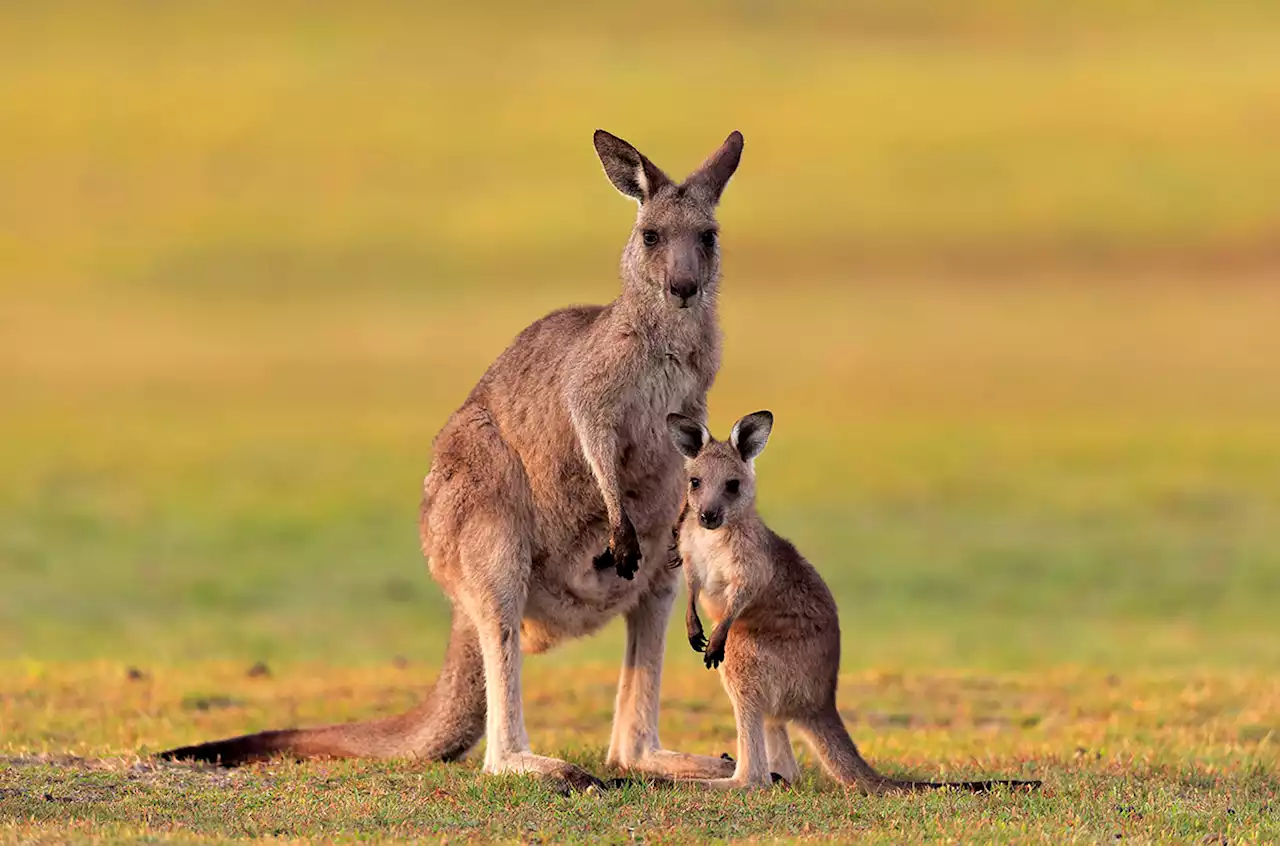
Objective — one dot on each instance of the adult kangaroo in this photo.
(552, 494)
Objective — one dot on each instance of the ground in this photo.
(1184, 757)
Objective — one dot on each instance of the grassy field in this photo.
(1183, 758)
(1004, 271)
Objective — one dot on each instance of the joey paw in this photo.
(698, 641)
(713, 656)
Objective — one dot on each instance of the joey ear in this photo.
(718, 168)
(687, 434)
(627, 168)
(751, 433)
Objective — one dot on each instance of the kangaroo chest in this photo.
(648, 464)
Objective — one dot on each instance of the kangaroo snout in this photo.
(711, 519)
(684, 290)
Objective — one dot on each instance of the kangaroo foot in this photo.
(566, 777)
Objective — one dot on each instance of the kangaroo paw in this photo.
(604, 561)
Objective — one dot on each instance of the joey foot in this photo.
(774, 777)
(623, 551)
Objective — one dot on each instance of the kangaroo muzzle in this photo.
(684, 290)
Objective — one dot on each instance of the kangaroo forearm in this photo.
(599, 442)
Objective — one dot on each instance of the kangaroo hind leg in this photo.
(782, 758)
(479, 535)
(495, 564)
(634, 745)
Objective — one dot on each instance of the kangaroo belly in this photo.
(570, 597)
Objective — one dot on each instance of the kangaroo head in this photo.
(722, 477)
(673, 254)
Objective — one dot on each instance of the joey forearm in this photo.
(737, 602)
(692, 624)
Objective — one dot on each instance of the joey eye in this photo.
(708, 238)
(695, 482)
(731, 486)
(650, 238)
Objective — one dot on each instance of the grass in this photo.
(1183, 758)
(1004, 271)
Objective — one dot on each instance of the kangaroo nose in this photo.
(710, 519)
(684, 290)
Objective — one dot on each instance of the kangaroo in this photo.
(781, 664)
(552, 493)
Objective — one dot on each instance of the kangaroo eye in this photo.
(650, 238)
(694, 482)
(731, 486)
(709, 238)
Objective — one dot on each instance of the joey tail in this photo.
(443, 727)
(841, 759)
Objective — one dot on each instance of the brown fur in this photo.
(551, 497)
(777, 633)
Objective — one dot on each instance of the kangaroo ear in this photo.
(627, 168)
(687, 434)
(718, 168)
(751, 433)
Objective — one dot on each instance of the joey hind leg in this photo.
(752, 767)
(634, 744)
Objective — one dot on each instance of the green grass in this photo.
(1181, 758)
(1004, 271)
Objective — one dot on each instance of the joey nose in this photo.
(710, 519)
(684, 290)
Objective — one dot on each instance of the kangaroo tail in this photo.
(443, 727)
(842, 761)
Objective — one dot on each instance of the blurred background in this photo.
(1007, 273)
